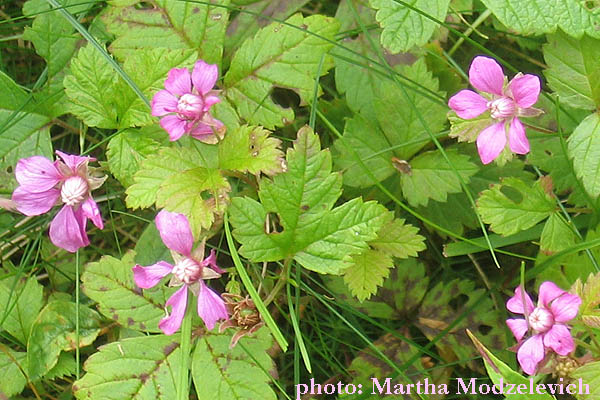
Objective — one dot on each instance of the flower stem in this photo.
(77, 314)
(186, 337)
(281, 282)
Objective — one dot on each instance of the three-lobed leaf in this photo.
(302, 222)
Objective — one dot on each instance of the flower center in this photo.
(74, 190)
(187, 271)
(541, 320)
(501, 108)
(190, 106)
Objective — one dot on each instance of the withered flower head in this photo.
(243, 315)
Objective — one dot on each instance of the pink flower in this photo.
(546, 321)
(43, 184)
(185, 104)
(506, 102)
(188, 272)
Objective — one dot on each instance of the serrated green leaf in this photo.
(467, 130)
(557, 235)
(283, 56)
(20, 117)
(431, 177)
(13, 381)
(150, 248)
(127, 150)
(584, 150)
(534, 17)
(447, 301)
(65, 366)
(404, 28)
(201, 194)
(573, 69)
(168, 24)
(590, 375)
(399, 296)
(399, 240)
(145, 368)
(20, 303)
(109, 282)
(315, 234)
(589, 292)
(250, 149)
(156, 169)
(367, 273)
(222, 373)
(528, 205)
(54, 331)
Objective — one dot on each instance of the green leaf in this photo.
(54, 331)
(150, 248)
(20, 302)
(168, 24)
(590, 375)
(65, 366)
(283, 56)
(584, 150)
(514, 205)
(19, 116)
(367, 273)
(534, 17)
(158, 168)
(573, 69)
(201, 194)
(109, 282)
(500, 373)
(128, 149)
(445, 303)
(467, 130)
(92, 89)
(404, 28)
(13, 381)
(557, 235)
(144, 368)
(250, 149)
(315, 234)
(399, 240)
(54, 39)
(589, 292)
(222, 373)
(399, 296)
(431, 177)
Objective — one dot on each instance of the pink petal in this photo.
(211, 261)
(178, 300)
(210, 101)
(204, 76)
(486, 75)
(67, 230)
(35, 203)
(517, 140)
(525, 90)
(163, 103)
(73, 161)
(148, 277)
(90, 210)
(467, 104)
(548, 291)
(174, 126)
(566, 307)
(559, 339)
(178, 81)
(201, 130)
(490, 142)
(211, 306)
(518, 327)
(515, 303)
(37, 174)
(175, 232)
(531, 353)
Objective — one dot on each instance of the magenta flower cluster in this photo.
(506, 102)
(544, 326)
